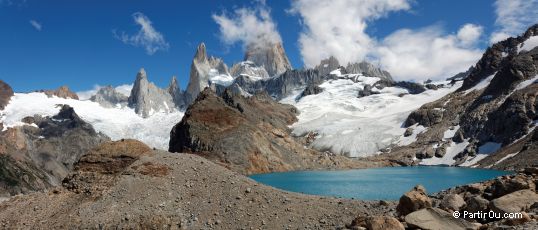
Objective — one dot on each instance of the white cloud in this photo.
(513, 17)
(123, 89)
(250, 26)
(36, 25)
(338, 27)
(469, 34)
(147, 37)
(428, 53)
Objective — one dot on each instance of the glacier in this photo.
(117, 123)
(358, 127)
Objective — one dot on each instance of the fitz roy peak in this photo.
(271, 57)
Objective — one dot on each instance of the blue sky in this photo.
(46, 44)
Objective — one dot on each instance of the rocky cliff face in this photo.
(494, 108)
(108, 97)
(202, 68)
(177, 95)
(62, 92)
(248, 68)
(272, 58)
(39, 155)
(146, 98)
(248, 135)
(6, 92)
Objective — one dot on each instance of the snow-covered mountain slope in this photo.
(117, 123)
(354, 126)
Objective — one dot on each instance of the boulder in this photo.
(501, 187)
(376, 223)
(477, 204)
(426, 152)
(413, 200)
(452, 202)
(514, 202)
(438, 219)
(440, 151)
(6, 92)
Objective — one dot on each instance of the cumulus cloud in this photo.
(36, 25)
(428, 53)
(250, 26)
(147, 37)
(122, 89)
(513, 17)
(337, 28)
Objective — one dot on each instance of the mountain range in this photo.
(260, 115)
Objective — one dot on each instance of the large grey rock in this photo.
(452, 202)
(146, 98)
(201, 69)
(436, 219)
(271, 57)
(6, 92)
(108, 97)
(514, 202)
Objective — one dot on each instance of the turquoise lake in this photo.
(377, 183)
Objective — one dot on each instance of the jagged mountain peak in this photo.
(201, 53)
(141, 74)
(271, 56)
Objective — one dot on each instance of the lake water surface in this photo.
(375, 184)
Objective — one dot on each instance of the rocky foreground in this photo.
(125, 184)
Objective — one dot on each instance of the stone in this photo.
(366, 91)
(452, 202)
(413, 200)
(376, 223)
(311, 89)
(425, 153)
(436, 219)
(440, 151)
(514, 202)
(477, 204)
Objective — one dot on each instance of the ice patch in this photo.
(482, 84)
(448, 158)
(528, 44)
(471, 162)
(417, 129)
(489, 147)
(449, 133)
(117, 123)
(526, 83)
(505, 157)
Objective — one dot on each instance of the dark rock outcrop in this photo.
(412, 87)
(327, 65)
(6, 92)
(366, 91)
(36, 158)
(62, 92)
(247, 135)
(311, 90)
